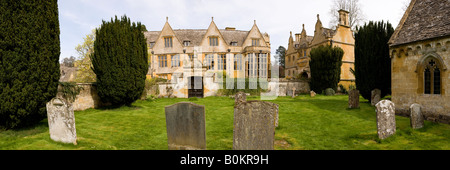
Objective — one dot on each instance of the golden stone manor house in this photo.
(297, 54)
(195, 60)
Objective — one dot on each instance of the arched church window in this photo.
(432, 77)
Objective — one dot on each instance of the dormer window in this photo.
(186, 43)
(213, 41)
(152, 44)
(234, 43)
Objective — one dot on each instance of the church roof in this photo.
(424, 19)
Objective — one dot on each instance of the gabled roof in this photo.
(424, 19)
(195, 36)
(152, 36)
(234, 36)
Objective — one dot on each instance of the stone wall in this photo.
(88, 97)
(285, 87)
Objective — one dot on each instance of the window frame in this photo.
(429, 78)
(255, 42)
(213, 41)
(162, 59)
(168, 42)
(175, 61)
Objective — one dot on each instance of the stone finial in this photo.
(212, 18)
(167, 19)
(318, 17)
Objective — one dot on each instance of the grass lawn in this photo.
(305, 123)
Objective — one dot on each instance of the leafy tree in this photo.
(281, 52)
(69, 62)
(85, 74)
(120, 61)
(372, 61)
(29, 60)
(325, 66)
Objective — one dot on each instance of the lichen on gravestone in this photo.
(61, 121)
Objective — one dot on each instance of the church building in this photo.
(420, 56)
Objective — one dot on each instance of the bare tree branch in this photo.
(356, 15)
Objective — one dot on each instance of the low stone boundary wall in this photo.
(88, 97)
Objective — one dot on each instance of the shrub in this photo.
(372, 61)
(29, 60)
(325, 66)
(120, 61)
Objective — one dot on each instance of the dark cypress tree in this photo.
(372, 61)
(325, 65)
(29, 60)
(120, 61)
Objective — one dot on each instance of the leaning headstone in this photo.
(282, 90)
(313, 94)
(240, 97)
(61, 121)
(385, 119)
(353, 99)
(416, 116)
(185, 124)
(375, 96)
(254, 125)
(329, 92)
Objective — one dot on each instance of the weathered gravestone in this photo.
(416, 116)
(375, 96)
(61, 121)
(312, 93)
(353, 99)
(385, 119)
(240, 97)
(254, 125)
(282, 90)
(293, 92)
(329, 92)
(185, 124)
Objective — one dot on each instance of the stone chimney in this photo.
(230, 28)
(344, 18)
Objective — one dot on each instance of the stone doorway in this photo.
(195, 88)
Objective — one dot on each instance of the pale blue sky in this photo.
(276, 17)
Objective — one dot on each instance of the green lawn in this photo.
(305, 123)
